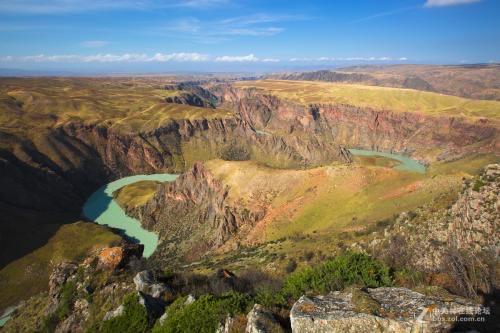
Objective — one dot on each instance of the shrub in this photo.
(338, 273)
(235, 152)
(408, 278)
(291, 266)
(134, 318)
(203, 315)
(68, 293)
(308, 255)
(478, 184)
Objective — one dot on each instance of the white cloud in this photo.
(181, 57)
(134, 57)
(105, 58)
(94, 44)
(216, 31)
(271, 31)
(445, 3)
(246, 58)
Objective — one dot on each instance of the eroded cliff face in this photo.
(193, 215)
(74, 158)
(317, 131)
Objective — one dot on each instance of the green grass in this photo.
(129, 105)
(29, 275)
(205, 314)
(136, 194)
(380, 98)
(336, 274)
(133, 320)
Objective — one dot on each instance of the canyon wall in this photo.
(56, 169)
(192, 215)
(316, 131)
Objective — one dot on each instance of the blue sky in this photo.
(244, 35)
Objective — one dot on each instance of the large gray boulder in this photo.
(261, 320)
(374, 310)
(145, 283)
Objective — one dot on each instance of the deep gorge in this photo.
(55, 170)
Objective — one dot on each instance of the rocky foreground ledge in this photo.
(375, 310)
(104, 279)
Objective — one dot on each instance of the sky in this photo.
(243, 35)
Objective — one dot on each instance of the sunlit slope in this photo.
(333, 199)
(326, 200)
(127, 104)
(379, 98)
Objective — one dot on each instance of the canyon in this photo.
(257, 166)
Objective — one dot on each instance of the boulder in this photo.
(226, 325)
(146, 283)
(114, 313)
(261, 320)
(119, 256)
(375, 310)
(143, 281)
(190, 300)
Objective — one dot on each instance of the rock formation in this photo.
(193, 214)
(454, 240)
(375, 310)
(261, 320)
(119, 256)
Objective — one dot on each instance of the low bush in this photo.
(478, 184)
(338, 273)
(291, 266)
(133, 320)
(68, 294)
(203, 315)
(235, 152)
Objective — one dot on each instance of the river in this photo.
(103, 209)
(405, 163)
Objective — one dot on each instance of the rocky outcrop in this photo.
(261, 320)
(193, 214)
(60, 274)
(315, 131)
(475, 216)
(119, 256)
(375, 310)
(146, 283)
(454, 241)
(189, 99)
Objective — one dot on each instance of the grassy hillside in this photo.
(136, 194)
(380, 98)
(315, 210)
(469, 81)
(129, 104)
(29, 275)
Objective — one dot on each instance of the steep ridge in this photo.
(317, 130)
(193, 215)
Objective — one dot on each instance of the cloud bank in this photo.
(134, 57)
(179, 57)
